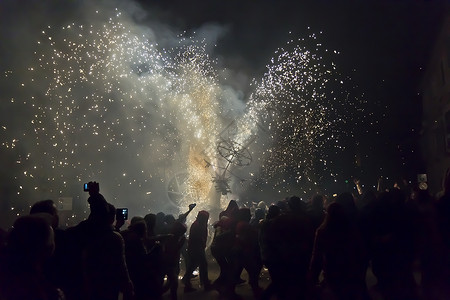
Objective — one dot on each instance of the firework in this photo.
(104, 101)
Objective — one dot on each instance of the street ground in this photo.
(244, 290)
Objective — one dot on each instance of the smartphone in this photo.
(122, 212)
(91, 185)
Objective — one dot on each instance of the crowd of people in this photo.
(319, 249)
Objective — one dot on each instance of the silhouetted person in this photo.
(316, 211)
(136, 256)
(339, 252)
(283, 205)
(247, 250)
(120, 220)
(169, 220)
(291, 238)
(98, 268)
(222, 249)
(150, 220)
(105, 269)
(182, 219)
(56, 267)
(392, 246)
(265, 234)
(159, 223)
(259, 216)
(155, 247)
(231, 210)
(30, 243)
(428, 241)
(269, 253)
(171, 256)
(198, 235)
(348, 204)
(49, 207)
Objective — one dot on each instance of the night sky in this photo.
(383, 46)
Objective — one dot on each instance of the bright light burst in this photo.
(302, 104)
(120, 110)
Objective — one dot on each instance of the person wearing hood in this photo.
(198, 235)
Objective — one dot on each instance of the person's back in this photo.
(248, 255)
(316, 211)
(136, 256)
(196, 250)
(104, 267)
(173, 245)
(292, 238)
(57, 267)
(339, 251)
(221, 250)
(171, 256)
(29, 244)
(198, 234)
(392, 246)
(97, 255)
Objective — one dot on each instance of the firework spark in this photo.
(119, 109)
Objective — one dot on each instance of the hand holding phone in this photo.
(122, 213)
(92, 187)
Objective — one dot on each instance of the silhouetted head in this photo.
(296, 204)
(336, 215)
(99, 208)
(49, 207)
(203, 216)
(136, 219)
(282, 205)
(138, 225)
(160, 217)
(31, 239)
(231, 210)
(111, 213)
(169, 219)
(150, 220)
(348, 204)
(273, 212)
(232, 206)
